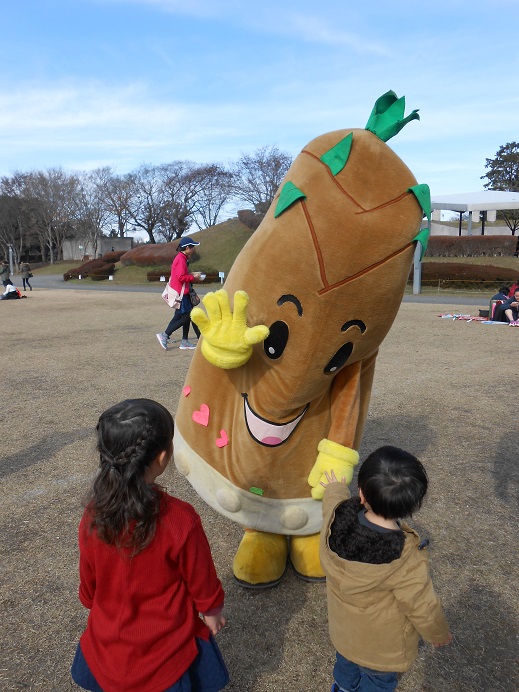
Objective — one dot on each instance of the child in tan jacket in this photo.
(380, 595)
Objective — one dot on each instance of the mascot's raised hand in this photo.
(227, 340)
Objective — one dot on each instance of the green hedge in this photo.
(458, 275)
(472, 246)
(97, 267)
(155, 274)
(102, 273)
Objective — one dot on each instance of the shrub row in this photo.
(113, 256)
(457, 271)
(153, 254)
(250, 218)
(99, 266)
(103, 272)
(472, 246)
(155, 274)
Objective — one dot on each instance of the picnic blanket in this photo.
(464, 318)
(474, 318)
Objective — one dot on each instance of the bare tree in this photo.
(19, 214)
(117, 191)
(55, 194)
(215, 191)
(258, 176)
(181, 187)
(11, 231)
(93, 213)
(148, 199)
(164, 201)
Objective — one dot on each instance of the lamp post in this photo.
(417, 270)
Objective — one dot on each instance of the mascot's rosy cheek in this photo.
(278, 392)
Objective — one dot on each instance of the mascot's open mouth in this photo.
(265, 432)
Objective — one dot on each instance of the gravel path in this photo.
(56, 281)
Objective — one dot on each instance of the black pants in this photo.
(26, 281)
(181, 320)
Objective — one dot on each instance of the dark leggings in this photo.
(26, 281)
(181, 320)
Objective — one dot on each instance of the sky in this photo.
(91, 83)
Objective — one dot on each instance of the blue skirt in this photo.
(207, 673)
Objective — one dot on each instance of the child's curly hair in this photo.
(124, 508)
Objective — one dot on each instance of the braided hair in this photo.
(123, 507)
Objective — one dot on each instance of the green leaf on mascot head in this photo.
(387, 117)
(423, 197)
(423, 239)
(336, 157)
(288, 195)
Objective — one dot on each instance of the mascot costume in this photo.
(279, 387)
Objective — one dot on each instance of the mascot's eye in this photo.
(339, 358)
(276, 341)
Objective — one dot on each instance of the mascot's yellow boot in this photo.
(304, 555)
(261, 559)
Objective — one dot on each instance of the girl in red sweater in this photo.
(145, 567)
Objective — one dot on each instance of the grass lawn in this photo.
(440, 387)
(57, 268)
(220, 245)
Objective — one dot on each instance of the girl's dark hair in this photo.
(393, 482)
(123, 507)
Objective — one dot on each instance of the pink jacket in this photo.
(180, 273)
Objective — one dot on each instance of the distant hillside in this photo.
(219, 246)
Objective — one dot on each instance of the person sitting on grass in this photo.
(511, 309)
(380, 594)
(502, 294)
(513, 288)
(11, 293)
(496, 310)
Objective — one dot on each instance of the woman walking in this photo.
(26, 273)
(181, 278)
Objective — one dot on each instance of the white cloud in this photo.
(301, 21)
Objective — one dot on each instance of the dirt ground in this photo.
(445, 390)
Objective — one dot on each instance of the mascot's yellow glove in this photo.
(227, 341)
(332, 457)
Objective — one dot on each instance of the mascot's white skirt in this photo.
(295, 517)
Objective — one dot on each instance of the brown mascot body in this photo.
(279, 390)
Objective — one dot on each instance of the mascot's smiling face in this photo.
(325, 271)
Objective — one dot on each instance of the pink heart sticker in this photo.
(202, 416)
(187, 390)
(223, 440)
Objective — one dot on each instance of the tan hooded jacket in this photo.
(377, 613)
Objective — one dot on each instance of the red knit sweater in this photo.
(144, 611)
